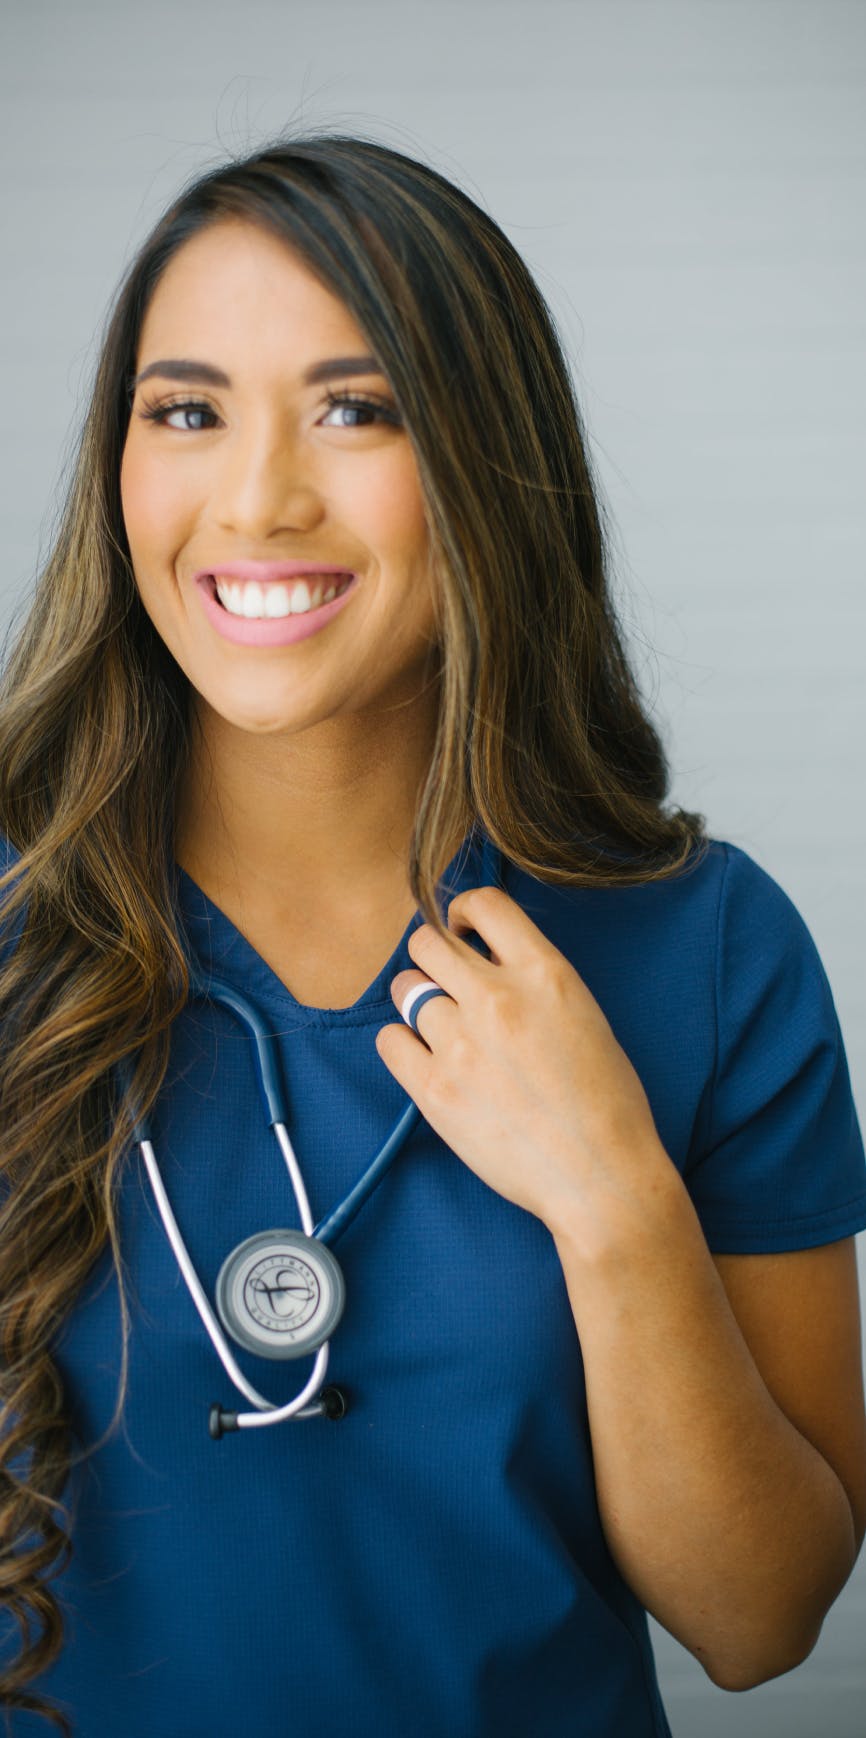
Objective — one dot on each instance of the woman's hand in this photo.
(518, 1070)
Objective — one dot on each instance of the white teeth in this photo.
(277, 602)
(301, 599)
(255, 602)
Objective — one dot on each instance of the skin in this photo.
(725, 1394)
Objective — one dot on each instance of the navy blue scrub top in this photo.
(432, 1565)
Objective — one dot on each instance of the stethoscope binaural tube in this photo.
(301, 1262)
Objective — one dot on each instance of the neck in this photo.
(308, 821)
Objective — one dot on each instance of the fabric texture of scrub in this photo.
(432, 1566)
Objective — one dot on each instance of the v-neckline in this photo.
(224, 950)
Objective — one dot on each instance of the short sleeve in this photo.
(777, 1160)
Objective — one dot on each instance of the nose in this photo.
(263, 485)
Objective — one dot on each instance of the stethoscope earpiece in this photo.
(219, 1421)
(335, 1401)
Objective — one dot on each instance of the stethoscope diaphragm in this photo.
(280, 1293)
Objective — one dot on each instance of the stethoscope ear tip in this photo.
(335, 1402)
(219, 1421)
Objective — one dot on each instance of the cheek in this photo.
(389, 505)
(151, 532)
(133, 492)
(150, 511)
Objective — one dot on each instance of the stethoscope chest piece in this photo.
(280, 1293)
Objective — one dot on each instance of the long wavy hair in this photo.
(541, 736)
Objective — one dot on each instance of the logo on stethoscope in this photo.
(282, 1293)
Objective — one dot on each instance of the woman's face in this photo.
(261, 467)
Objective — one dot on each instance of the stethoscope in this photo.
(280, 1292)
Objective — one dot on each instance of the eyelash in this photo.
(157, 413)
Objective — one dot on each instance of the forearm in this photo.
(728, 1525)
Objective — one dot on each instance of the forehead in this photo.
(234, 278)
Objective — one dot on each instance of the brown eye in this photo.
(356, 402)
(159, 413)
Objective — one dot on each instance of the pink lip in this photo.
(273, 630)
(268, 572)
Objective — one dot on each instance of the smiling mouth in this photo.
(248, 600)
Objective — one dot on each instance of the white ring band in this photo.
(412, 995)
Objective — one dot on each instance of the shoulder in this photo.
(720, 896)
(713, 984)
(673, 918)
(752, 898)
(767, 964)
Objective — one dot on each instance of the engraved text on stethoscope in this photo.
(287, 1293)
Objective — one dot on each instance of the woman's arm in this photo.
(729, 1439)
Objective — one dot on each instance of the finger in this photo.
(501, 923)
(407, 1058)
(448, 960)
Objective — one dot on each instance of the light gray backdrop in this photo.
(686, 180)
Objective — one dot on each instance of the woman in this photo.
(597, 1351)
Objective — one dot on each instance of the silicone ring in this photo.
(414, 1000)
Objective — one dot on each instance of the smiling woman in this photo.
(321, 713)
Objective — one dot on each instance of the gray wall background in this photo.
(686, 180)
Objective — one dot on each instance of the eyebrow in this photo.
(206, 375)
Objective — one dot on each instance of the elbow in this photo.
(744, 1671)
(779, 1633)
